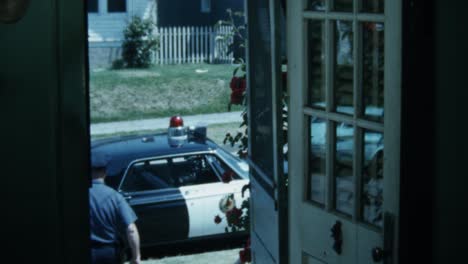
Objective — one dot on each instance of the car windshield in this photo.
(239, 166)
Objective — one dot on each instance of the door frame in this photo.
(269, 193)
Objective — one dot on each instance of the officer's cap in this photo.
(99, 160)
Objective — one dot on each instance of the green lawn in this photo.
(159, 91)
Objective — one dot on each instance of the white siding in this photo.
(144, 8)
(108, 27)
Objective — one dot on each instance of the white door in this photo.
(344, 119)
(268, 196)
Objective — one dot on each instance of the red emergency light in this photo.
(176, 121)
(177, 133)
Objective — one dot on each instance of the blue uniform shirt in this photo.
(110, 213)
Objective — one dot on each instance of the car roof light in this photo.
(176, 133)
(176, 121)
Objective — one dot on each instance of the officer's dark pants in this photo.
(107, 254)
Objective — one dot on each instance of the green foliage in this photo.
(118, 64)
(139, 43)
(238, 27)
(236, 20)
(237, 218)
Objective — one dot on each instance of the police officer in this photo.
(111, 219)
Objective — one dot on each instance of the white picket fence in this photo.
(179, 45)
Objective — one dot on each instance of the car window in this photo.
(222, 169)
(238, 165)
(148, 175)
(173, 172)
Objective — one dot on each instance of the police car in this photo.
(175, 182)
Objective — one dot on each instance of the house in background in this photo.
(195, 12)
(107, 20)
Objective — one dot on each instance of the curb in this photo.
(161, 123)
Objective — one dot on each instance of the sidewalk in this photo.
(229, 256)
(161, 123)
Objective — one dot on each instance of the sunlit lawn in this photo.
(160, 91)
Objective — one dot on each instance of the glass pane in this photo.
(317, 160)
(92, 6)
(372, 178)
(223, 171)
(343, 169)
(373, 6)
(261, 131)
(373, 70)
(116, 6)
(316, 64)
(149, 176)
(344, 67)
(315, 5)
(343, 5)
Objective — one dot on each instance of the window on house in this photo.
(92, 6)
(116, 6)
(205, 6)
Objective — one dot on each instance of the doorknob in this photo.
(378, 254)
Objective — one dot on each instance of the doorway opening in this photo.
(167, 84)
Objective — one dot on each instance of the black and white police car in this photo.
(175, 182)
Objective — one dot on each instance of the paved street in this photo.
(161, 123)
(227, 256)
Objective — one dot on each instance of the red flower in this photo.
(227, 176)
(236, 99)
(247, 243)
(238, 85)
(217, 219)
(245, 255)
(233, 216)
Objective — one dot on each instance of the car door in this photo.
(229, 185)
(192, 173)
(199, 176)
(161, 207)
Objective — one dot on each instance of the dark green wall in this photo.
(434, 180)
(450, 213)
(44, 135)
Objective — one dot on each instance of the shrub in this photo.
(118, 64)
(138, 43)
